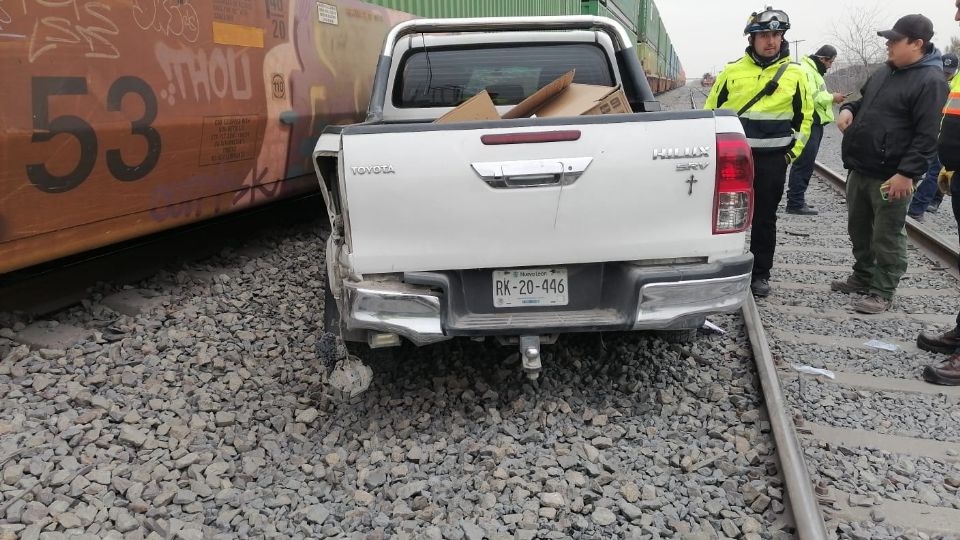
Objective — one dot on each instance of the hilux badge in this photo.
(680, 153)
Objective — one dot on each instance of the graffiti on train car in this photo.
(172, 19)
(194, 74)
(5, 17)
(86, 26)
(168, 204)
(169, 110)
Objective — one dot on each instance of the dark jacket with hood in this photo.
(896, 122)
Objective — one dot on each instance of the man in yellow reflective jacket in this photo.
(773, 98)
(816, 66)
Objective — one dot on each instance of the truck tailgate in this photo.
(483, 195)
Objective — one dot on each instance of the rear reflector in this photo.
(531, 137)
(733, 196)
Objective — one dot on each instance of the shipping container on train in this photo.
(124, 118)
(657, 54)
(640, 17)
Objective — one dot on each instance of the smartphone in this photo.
(885, 191)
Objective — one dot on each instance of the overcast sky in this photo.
(709, 33)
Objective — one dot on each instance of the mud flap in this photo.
(345, 373)
(330, 350)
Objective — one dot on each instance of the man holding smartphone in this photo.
(889, 138)
(815, 66)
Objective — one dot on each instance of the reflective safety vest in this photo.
(778, 122)
(949, 145)
(822, 99)
(953, 102)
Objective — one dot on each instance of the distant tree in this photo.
(848, 79)
(954, 46)
(856, 36)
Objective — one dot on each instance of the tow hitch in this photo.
(530, 356)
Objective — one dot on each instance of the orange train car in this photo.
(122, 118)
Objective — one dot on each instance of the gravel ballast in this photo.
(206, 416)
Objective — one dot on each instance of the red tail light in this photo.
(733, 196)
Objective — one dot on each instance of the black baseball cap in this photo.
(950, 63)
(914, 26)
(827, 51)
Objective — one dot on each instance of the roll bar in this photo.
(617, 33)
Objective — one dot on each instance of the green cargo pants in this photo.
(878, 234)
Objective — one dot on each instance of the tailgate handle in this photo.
(531, 173)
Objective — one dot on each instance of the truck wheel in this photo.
(686, 335)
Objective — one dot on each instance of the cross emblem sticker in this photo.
(691, 181)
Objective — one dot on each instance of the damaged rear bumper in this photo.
(427, 307)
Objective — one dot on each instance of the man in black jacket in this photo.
(948, 371)
(889, 138)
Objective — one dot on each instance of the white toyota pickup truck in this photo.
(528, 228)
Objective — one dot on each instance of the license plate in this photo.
(530, 287)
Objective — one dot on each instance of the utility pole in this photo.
(797, 42)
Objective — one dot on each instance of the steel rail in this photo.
(803, 502)
(919, 234)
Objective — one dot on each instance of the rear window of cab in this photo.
(509, 73)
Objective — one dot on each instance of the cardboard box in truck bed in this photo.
(559, 98)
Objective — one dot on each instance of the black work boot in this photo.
(945, 343)
(946, 373)
(804, 210)
(760, 287)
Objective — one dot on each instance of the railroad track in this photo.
(807, 493)
(870, 451)
(905, 480)
(804, 505)
(695, 95)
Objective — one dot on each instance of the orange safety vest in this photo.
(953, 102)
